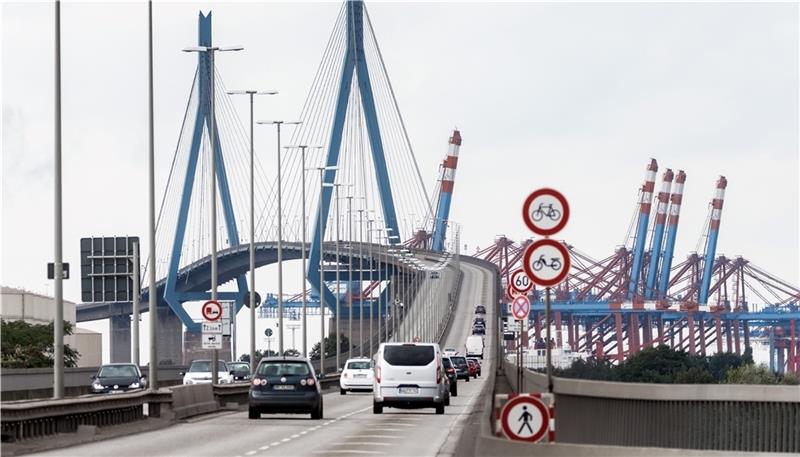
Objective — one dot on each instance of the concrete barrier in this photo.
(193, 399)
(706, 416)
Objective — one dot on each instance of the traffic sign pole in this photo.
(548, 354)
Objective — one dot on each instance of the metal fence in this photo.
(701, 416)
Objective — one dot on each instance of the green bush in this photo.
(25, 345)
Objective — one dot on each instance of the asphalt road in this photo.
(349, 426)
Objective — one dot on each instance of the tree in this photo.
(750, 374)
(25, 345)
(330, 346)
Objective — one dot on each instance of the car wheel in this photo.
(342, 392)
(317, 414)
(447, 401)
(377, 408)
(467, 378)
(454, 390)
(253, 413)
(440, 409)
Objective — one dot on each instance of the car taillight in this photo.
(438, 375)
(309, 382)
(378, 374)
(259, 382)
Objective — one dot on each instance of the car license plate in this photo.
(409, 390)
(360, 376)
(283, 387)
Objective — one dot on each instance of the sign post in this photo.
(546, 261)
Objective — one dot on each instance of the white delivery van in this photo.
(409, 375)
(475, 346)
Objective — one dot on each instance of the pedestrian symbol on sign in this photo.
(526, 419)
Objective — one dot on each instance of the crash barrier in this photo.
(31, 383)
(193, 399)
(689, 416)
(28, 419)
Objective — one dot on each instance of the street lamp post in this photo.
(336, 187)
(303, 148)
(151, 210)
(361, 283)
(322, 171)
(210, 52)
(252, 93)
(349, 272)
(280, 232)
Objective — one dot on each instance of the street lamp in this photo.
(303, 148)
(210, 51)
(379, 230)
(336, 187)
(280, 232)
(322, 171)
(252, 93)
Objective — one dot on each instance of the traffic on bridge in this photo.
(253, 250)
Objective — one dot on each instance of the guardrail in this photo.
(691, 416)
(32, 383)
(31, 419)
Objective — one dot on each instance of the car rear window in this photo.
(459, 361)
(358, 366)
(408, 355)
(269, 369)
(447, 363)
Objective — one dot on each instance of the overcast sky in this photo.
(572, 96)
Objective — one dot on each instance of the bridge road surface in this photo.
(349, 427)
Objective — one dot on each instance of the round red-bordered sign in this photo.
(549, 267)
(520, 281)
(536, 406)
(511, 292)
(520, 307)
(211, 311)
(545, 219)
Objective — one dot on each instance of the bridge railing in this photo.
(691, 416)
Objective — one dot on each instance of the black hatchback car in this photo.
(285, 385)
(462, 369)
(452, 375)
(116, 378)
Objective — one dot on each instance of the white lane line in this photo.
(361, 443)
(250, 453)
(274, 443)
(349, 451)
(391, 437)
(285, 440)
(296, 435)
(304, 432)
(264, 448)
(383, 429)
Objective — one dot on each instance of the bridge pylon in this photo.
(202, 126)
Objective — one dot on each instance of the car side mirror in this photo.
(93, 377)
(181, 373)
(232, 372)
(339, 370)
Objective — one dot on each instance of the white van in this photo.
(475, 346)
(409, 375)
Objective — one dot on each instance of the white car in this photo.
(356, 375)
(409, 375)
(200, 373)
(449, 352)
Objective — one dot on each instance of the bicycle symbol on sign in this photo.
(555, 263)
(546, 211)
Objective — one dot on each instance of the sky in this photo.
(573, 96)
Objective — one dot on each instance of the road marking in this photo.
(361, 443)
(295, 436)
(250, 453)
(349, 451)
(384, 429)
(304, 432)
(285, 440)
(274, 443)
(264, 448)
(391, 437)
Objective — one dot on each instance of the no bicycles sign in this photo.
(546, 262)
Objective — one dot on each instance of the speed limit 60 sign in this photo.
(520, 281)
